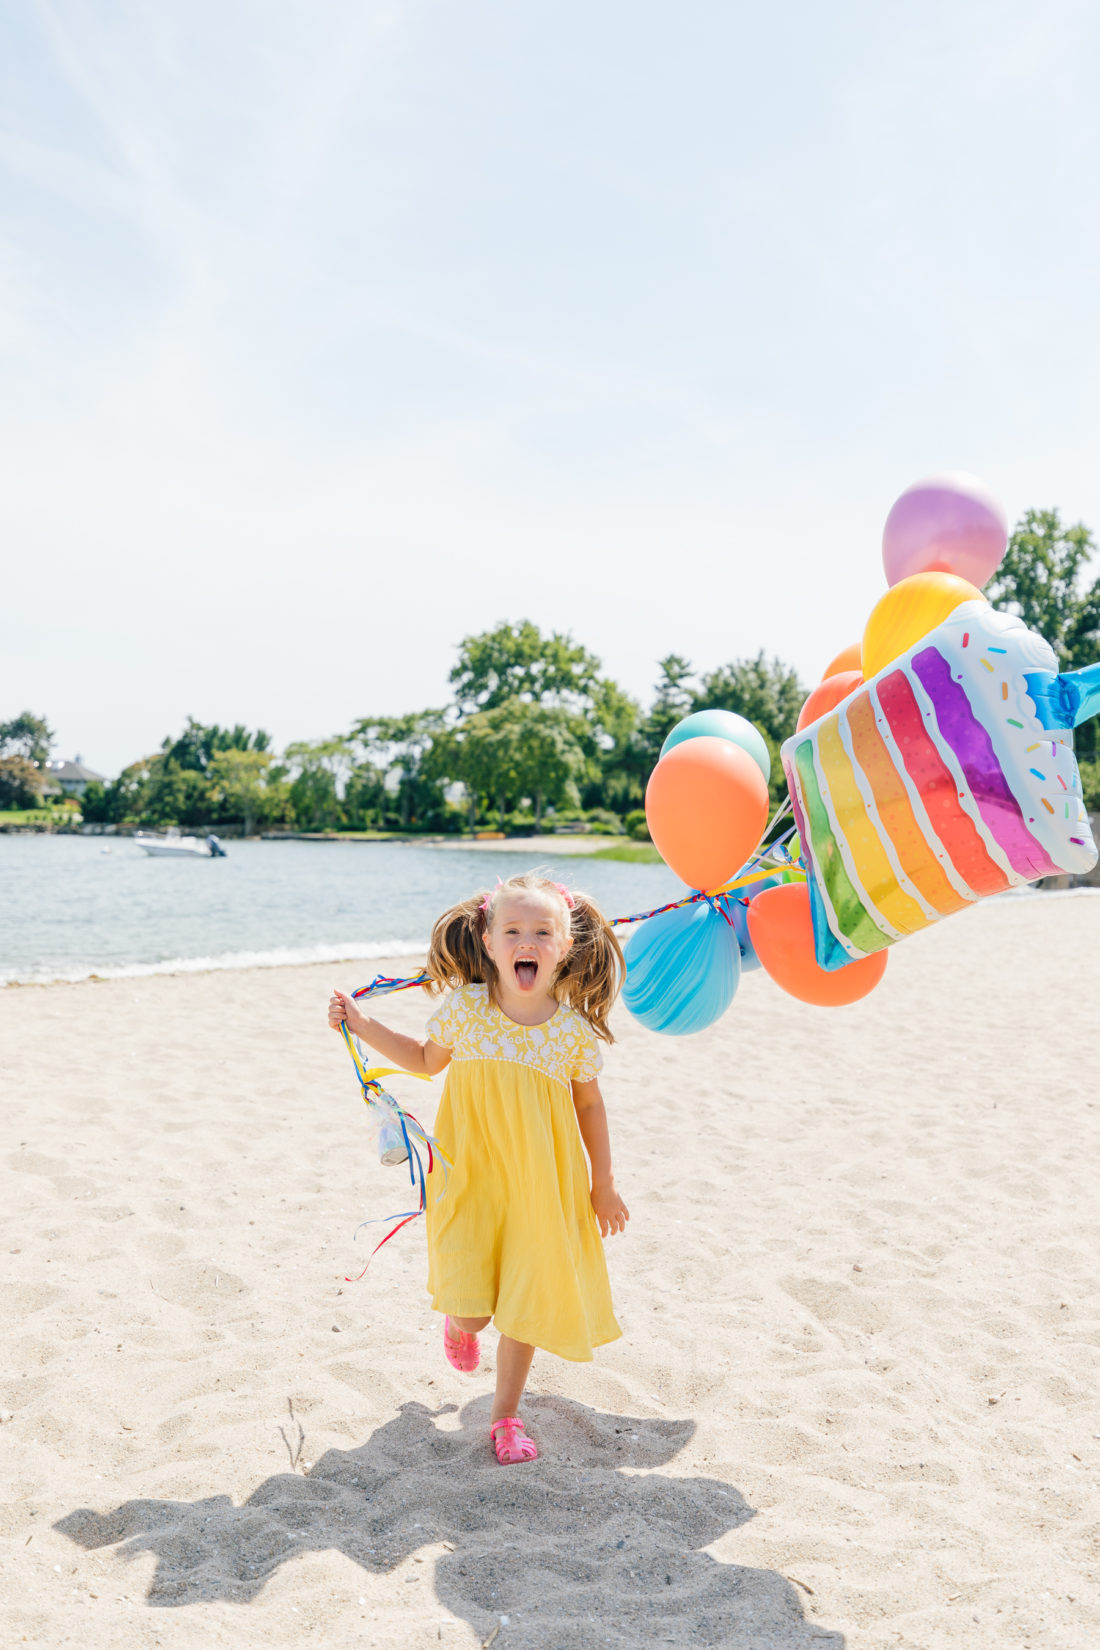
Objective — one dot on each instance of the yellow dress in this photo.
(514, 1235)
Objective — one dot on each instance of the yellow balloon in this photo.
(909, 611)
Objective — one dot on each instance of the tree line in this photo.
(534, 725)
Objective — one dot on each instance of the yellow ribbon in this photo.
(371, 1076)
(757, 876)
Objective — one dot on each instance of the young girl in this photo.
(515, 1236)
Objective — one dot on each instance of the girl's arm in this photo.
(611, 1212)
(423, 1058)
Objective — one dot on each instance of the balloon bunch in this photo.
(931, 767)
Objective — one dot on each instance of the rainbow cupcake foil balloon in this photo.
(935, 784)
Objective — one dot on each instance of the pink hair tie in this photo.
(565, 894)
(487, 901)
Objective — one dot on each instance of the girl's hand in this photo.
(611, 1212)
(342, 1010)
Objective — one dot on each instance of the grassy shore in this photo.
(634, 853)
(39, 816)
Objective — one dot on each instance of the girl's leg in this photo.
(513, 1367)
(469, 1326)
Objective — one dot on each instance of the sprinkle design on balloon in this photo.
(936, 785)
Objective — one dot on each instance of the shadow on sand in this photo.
(572, 1549)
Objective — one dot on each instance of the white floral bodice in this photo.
(564, 1048)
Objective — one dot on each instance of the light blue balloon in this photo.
(723, 724)
(682, 970)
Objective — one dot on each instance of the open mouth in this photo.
(526, 972)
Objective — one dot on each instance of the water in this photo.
(68, 909)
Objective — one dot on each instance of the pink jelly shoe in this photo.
(513, 1443)
(463, 1352)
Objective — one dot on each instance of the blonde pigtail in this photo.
(456, 955)
(593, 969)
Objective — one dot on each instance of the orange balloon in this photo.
(827, 695)
(782, 932)
(849, 658)
(706, 806)
(908, 612)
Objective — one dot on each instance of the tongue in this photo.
(525, 972)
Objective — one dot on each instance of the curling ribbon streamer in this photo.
(413, 1133)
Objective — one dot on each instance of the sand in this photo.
(535, 848)
(855, 1404)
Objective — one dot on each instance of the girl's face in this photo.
(527, 939)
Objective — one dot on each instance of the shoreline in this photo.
(567, 845)
(236, 962)
(231, 963)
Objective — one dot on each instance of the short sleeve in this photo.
(445, 1023)
(588, 1060)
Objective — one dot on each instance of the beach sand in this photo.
(535, 848)
(855, 1402)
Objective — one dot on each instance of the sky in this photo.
(333, 332)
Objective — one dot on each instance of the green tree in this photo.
(629, 762)
(397, 747)
(365, 797)
(672, 700)
(513, 752)
(24, 751)
(243, 787)
(200, 742)
(124, 799)
(762, 690)
(547, 759)
(1090, 783)
(94, 804)
(207, 773)
(516, 661)
(21, 782)
(320, 769)
(478, 753)
(28, 736)
(1044, 578)
(176, 796)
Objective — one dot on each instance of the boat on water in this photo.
(174, 846)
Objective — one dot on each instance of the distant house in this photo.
(71, 778)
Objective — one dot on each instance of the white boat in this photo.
(174, 846)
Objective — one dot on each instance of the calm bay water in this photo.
(69, 909)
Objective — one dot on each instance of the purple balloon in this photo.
(949, 523)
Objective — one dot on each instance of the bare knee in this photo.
(469, 1326)
(522, 1347)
